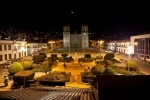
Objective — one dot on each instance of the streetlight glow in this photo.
(129, 49)
(22, 48)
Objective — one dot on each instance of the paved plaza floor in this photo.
(75, 68)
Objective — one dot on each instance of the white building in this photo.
(118, 46)
(36, 47)
(142, 47)
(12, 50)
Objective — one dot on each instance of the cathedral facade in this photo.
(76, 40)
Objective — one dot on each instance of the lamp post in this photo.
(100, 43)
(69, 48)
(83, 49)
(51, 44)
(130, 51)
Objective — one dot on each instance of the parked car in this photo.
(8, 64)
(109, 51)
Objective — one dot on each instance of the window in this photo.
(9, 47)
(1, 58)
(5, 56)
(24, 53)
(14, 56)
(5, 47)
(0, 47)
(9, 56)
(18, 47)
(19, 54)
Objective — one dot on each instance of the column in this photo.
(144, 50)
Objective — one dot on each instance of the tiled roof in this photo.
(49, 93)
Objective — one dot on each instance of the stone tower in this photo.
(85, 36)
(66, 36)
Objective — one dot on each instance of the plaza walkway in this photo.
(75, 71)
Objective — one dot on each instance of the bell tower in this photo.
(66, 36)
(85, 36)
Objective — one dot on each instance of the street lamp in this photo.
(130, 50)
(51, 44)
(100, 43)
(83, 49)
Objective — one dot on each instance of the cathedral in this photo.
(76, 40)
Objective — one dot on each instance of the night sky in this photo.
(107, 19)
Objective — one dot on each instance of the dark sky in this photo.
(102, 17)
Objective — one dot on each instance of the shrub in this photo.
(131, 65)
(35, 66)
(45, 66)
(87, 76)
(38, 58)
(26, 64)
(121, 70)
(97, 69)
(53, 55)
(115, 61)
(87, 55)
(15, 67)
(109, 71)
(43, 54)
(54, 59)
(64, 55)
(57, 76)
(109, 56)
(50, 60)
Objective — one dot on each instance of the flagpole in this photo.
(83, 49)
(69, 50)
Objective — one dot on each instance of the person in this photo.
(64, 65)
(88, 69)
(5, 80)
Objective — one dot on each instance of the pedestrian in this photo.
(65, 65)
(88, 69)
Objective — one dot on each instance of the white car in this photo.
(8, 64)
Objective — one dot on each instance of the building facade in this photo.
(118, 46)
(76, 40)
(12, 50)
(36, 47)
(142, 49)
